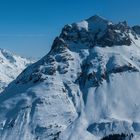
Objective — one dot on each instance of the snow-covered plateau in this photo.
(86, 88)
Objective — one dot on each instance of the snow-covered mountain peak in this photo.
(98, 22)
(7, 55)
(97, 18)
(85, 88)
(93, 24)
(99, 31)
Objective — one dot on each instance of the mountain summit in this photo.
(85, 88)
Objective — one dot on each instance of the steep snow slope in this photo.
(85, 88)
(10, 67)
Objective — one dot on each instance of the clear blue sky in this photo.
(28, 27)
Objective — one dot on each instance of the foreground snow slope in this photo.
(85, 88)
(11, 66)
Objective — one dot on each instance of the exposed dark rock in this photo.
(59, 45)
(136, 29)
(118, 137)
(116, 34)
(123, 69)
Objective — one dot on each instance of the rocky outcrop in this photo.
(136, 29)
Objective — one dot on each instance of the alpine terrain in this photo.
(11, 66)
(86, 88)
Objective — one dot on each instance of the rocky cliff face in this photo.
(136, 29)
(85, 88)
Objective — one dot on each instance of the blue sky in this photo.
(28, 27)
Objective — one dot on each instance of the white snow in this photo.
(76, 92)
(11, 66)
(83, 25)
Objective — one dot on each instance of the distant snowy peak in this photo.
(14, 58)
(10, 66)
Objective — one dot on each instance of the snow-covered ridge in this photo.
(11, 66)
(93, 24)
(99, 31)
(85, 88)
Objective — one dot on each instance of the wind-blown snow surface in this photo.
(11, 66)
(83, 89)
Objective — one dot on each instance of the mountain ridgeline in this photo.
(85, 88)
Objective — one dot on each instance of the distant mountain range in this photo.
(11, 66)
(85, 88)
